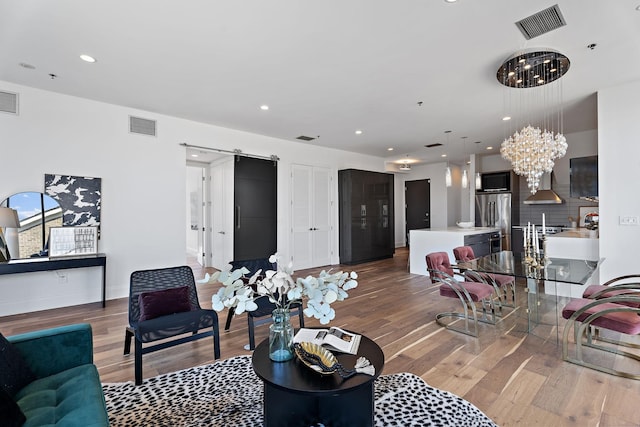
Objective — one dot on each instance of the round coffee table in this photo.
(295, 395)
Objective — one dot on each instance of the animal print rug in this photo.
(228, 393)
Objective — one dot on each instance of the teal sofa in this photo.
(67, 391)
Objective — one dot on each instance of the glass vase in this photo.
(281, 336)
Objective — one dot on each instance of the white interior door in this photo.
(321, 212)
(221, 212)
(311, 216)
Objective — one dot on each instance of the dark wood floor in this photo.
(514, 377)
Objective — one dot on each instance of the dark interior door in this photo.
(255, 209)
(417, 196)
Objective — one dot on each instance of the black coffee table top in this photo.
(294, 375)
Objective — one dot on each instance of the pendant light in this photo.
(465, 179)
(532, 77)
(447, 172)
(478, 181)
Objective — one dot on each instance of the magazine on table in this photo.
(333, 339)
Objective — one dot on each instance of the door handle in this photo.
(221, 232)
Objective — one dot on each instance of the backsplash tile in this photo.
(554, 214)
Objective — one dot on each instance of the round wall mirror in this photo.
(37, 213)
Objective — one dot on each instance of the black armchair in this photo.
(163, 303)
(262, 314)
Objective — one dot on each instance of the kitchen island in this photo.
(426, 240)
(577, 243)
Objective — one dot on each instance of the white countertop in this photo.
(467, 231)
(576, 233)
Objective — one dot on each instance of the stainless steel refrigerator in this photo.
(496, 210)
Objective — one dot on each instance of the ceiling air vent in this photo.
(9, 102)
(542, 22)
(142, 126)
(436, 144)
(305, 138)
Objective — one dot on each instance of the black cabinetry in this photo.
(366, 216)
(483, 244)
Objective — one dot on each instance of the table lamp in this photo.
(8, 219)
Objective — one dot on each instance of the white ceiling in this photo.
(325, 68)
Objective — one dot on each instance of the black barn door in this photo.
(255, 215)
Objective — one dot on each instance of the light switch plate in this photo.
(629, 220)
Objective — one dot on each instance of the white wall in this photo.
(618, 154)
(143, 185)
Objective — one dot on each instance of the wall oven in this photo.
(495, 242)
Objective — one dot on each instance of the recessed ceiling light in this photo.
(27, 66)
(638, 8)
(194, 155)
(505, 118)
(264, 107)
(489, 148)
(88, 58)
(358, 132)
(443, 155)
(450, 1)
(390, 149)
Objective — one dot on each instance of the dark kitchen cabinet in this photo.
(366, 216)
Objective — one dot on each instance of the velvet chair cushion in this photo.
(10, 412)
(71, 398)
(161, 303)
(463, 253)
(613, 292)
(14, 371)
(439, 261)
(477, 290)
(625, 322)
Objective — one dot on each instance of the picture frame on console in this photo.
(73, 241)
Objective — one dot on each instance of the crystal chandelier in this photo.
(533, 149)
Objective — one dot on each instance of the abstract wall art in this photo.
(79, 197)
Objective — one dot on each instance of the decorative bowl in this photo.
(467, 224)
(307, 352)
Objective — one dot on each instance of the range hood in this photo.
(545, 195)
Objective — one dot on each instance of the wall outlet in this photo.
(629, 220)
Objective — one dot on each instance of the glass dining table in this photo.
(549, 282)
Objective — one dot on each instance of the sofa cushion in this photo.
(14, 371)
(10, 412)
(161, 303)
(67, 399)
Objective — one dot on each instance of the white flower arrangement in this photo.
(320, 292)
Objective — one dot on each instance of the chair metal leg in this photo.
(216, 341)
(230, 314)
(251, 328)
(128, 335)
(138, 362)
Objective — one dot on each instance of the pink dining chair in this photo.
(501, 282)
(591, 318)
(613, 288)
(468, 292)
